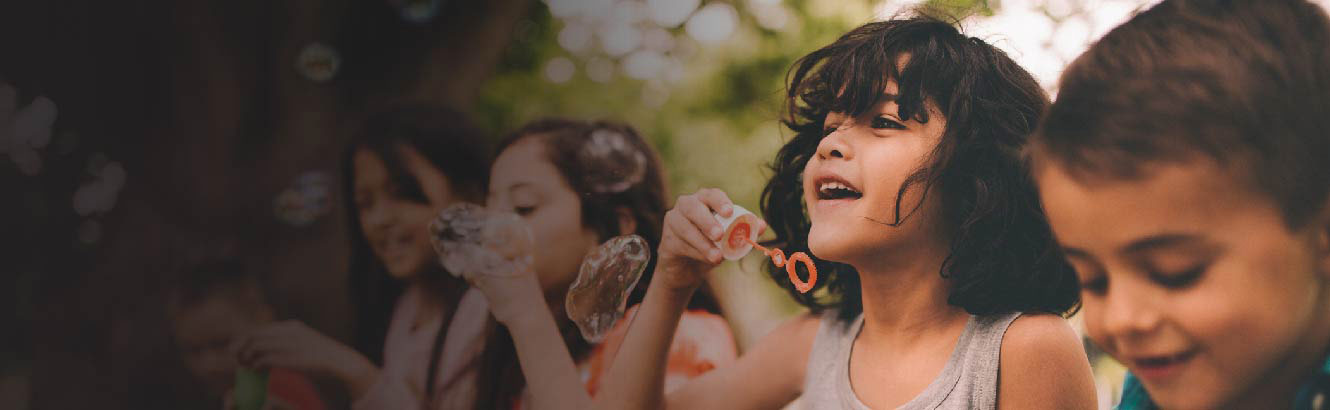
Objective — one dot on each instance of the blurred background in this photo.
(128, 126)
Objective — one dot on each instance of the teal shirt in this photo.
(1312, 395)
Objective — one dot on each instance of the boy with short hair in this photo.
(213, 303)
(1185, 169)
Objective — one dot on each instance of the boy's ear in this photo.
(627, 223)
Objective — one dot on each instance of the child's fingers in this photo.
(701, 219)
(244, 349)
(716, 200)
(701, 247)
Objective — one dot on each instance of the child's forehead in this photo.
(887, 102)
(1198, 197)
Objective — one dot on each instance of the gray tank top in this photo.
(968, 380)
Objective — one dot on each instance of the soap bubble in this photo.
(596, 300)
(32, 125)
(611, 162)
(305, 201)
(472, 241)
(420, 11)
(318, 62)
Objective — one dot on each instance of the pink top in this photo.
(702, 342)
(406, 352)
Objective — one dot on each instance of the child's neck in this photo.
(905, 296)
(435, 297)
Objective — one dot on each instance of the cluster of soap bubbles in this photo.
(472, 241)
(596, 300)
(417, 11)
(306, 200)
(610, 161)
(25, 131)
(99, 195)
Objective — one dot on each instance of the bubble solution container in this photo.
(740, 225)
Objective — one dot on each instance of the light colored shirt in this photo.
(406, 354)
(967, 381)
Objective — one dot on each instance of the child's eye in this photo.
(887, 123)
(1096, 285)
(1179, 280)
(829, 129)
(524, 210)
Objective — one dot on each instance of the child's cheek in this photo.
(1092, 308)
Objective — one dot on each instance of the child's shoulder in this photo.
(1031, 335)
(1035, 328)
(1042, 359)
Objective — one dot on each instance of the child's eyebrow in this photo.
(520, 186)
(1166, 240)
(1075, 252)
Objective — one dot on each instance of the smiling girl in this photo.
(400, 170)
(543, 174)
(940, 285)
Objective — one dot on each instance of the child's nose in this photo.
(834, 146)
(1129, 311)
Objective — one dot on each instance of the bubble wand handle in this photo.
(778, 258)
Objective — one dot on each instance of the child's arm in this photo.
(1043, 366)
(769, 375)
(551, 374)
(294, 345)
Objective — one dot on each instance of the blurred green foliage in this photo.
(719, 126)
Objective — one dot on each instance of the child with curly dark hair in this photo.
(937, 271)
(906, 183)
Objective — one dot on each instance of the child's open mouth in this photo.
(1161, 367)
(831, 189)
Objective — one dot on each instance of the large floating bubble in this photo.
(472, 241)
(596, 300)
(611, 162)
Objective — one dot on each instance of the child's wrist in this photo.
(358, 374)
(526, 318)
(512, 299)
(676, 283)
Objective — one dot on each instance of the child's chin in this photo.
(828, 247)
(1181, 397)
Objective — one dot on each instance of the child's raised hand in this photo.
(512, 296)
(294, 345)
(688, 247)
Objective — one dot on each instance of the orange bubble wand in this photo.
(740, 235)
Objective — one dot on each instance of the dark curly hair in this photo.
(1003, 257)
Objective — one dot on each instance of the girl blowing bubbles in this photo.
(1184, 172)
(904, 180)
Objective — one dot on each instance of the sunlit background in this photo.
(703, 79)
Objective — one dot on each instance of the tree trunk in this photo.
(202, 102)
